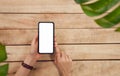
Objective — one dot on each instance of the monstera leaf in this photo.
(3, 56)
(99, 7)
(4, 70)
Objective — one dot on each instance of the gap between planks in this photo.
(74, 60)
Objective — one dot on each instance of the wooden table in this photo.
(95, 51)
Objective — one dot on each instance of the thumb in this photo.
(35, 38)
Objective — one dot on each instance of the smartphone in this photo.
(46, 37)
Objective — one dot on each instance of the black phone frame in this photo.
(53, 37)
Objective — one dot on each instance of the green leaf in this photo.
(99, 7)
(3, 55)
(81, 1)
(118, 29)
(110, 20)
(4, 70)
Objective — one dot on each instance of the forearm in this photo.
(30, 60)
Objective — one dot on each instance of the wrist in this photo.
(30, 60)
(27, 66)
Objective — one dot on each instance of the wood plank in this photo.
(63, 36)
(39, 6)
(61, 21)
(31, 21)
(80, 68)
(76, 52)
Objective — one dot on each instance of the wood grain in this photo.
(30, 21)
(76, 52)
(25, 21)
(80, 68)
(39, 6)
(64, 36)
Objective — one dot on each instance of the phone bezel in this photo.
(53, 37)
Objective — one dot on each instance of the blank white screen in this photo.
(45, 37)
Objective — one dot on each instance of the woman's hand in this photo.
(34, 56)
(34, 47)
(63, 62)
